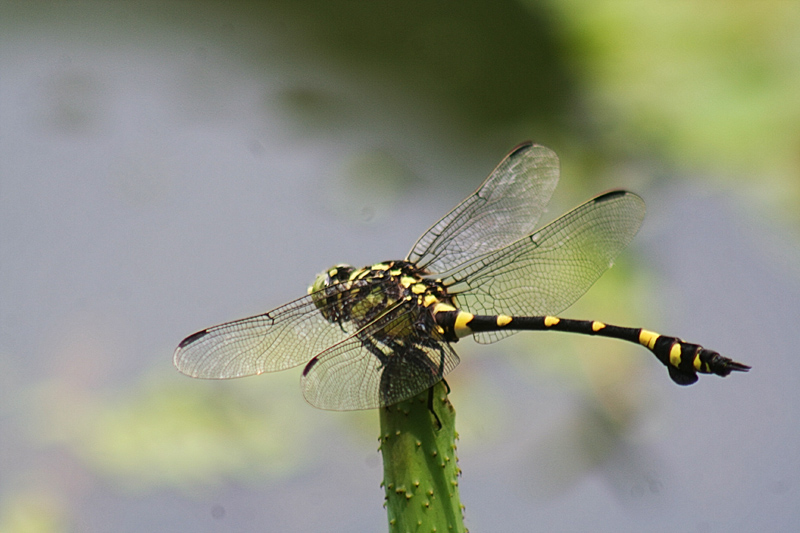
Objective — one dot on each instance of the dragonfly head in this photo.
(332, 276)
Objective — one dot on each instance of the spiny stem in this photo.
(419, 464)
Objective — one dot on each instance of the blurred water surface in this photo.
(165, 166)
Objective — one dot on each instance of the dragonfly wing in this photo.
(283, 338)
(547, 271)
(504, 208)
(388, 361)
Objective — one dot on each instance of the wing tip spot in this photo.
(193, 338)
(310, 365)
(524, 145)
(611, 195)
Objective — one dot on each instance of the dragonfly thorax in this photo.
(345, 294)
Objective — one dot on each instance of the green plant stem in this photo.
(419, 465)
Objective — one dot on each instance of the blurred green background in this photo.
(165, 166)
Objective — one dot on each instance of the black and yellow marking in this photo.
(377, 335)
(402, 281)
(683, 359)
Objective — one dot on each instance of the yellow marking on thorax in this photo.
(551, 321)
(503, 320)
(418, 288)
(407, 281)
(430, 300)
(380, 266)
(461, 328)
(441, 307)
(597, 326)
(675, 354)
(648, 338)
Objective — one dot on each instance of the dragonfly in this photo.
(374, 336)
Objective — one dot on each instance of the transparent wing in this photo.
(283, 338)
(388, 361)
(547, 271)
(504, 208)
